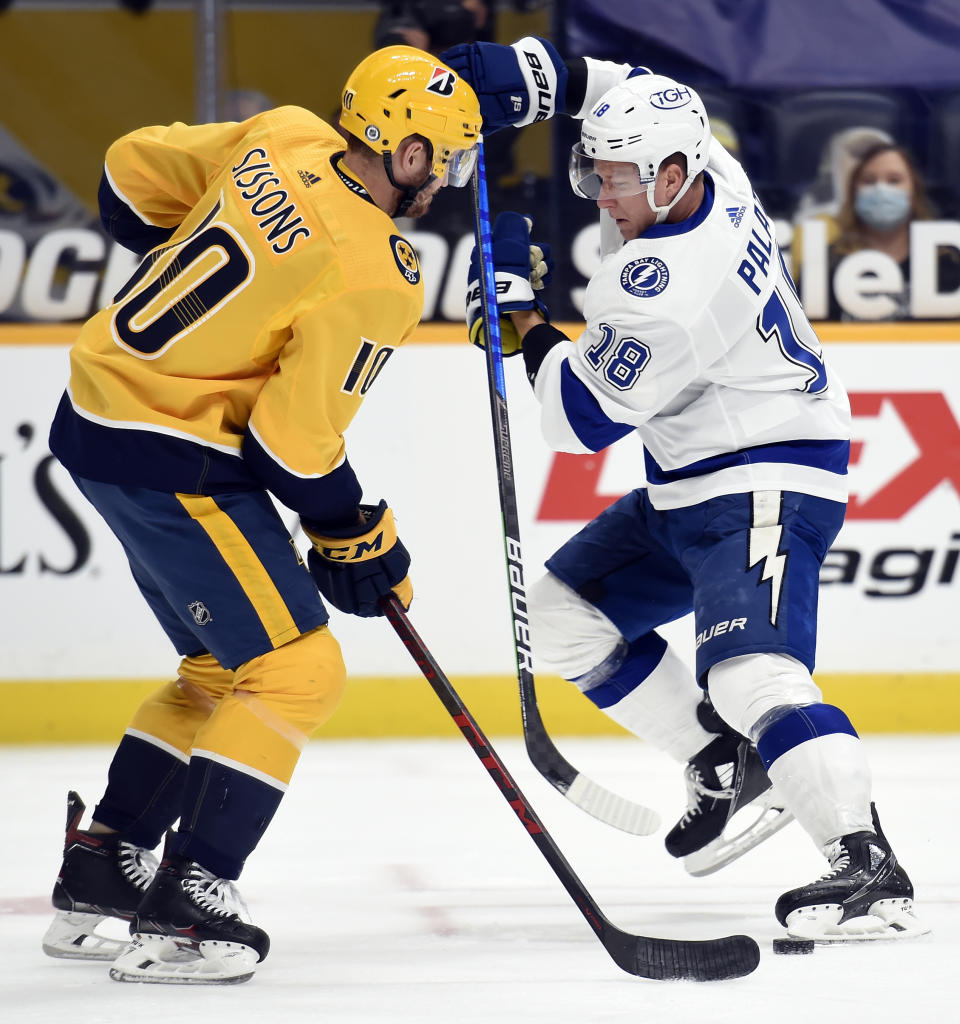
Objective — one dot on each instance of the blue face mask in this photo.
(882, 206)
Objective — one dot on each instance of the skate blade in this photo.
(886, 921)
(165, 960)
(766, 815)
(73, 935)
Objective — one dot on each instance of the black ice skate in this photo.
(102, 876)
(724, 778)
(188, 930)
(865, 895)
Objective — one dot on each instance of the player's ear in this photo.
(676, 173)
(413, 155)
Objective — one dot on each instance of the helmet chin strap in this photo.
(408, 193)
(663, 211)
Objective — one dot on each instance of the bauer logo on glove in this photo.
(516, 85)
(521, 267)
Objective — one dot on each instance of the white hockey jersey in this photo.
(696, 339)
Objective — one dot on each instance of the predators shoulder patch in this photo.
(406, 257)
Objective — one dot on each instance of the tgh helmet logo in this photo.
(670, 99)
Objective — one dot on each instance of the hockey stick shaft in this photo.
(588, 795)
(660, 959)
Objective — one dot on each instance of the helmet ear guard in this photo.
(639, 124)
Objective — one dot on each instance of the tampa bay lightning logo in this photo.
(645, 277)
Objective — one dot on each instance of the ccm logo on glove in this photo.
(355, 567)
(357, 552)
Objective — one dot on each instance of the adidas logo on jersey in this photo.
(735, 213)
(308, 178)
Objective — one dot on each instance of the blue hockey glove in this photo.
(356, 566)
(516, 85)
(520, 268)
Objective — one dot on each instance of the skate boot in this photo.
(102, 876)
(727, 776)
(865, 895)
(188, 930)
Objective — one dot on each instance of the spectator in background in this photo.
(884, 194)
(841, 154)
(432, 25)
(822, 199)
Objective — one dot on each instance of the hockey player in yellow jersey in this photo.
(274, 288)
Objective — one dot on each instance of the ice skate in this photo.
(189, 930)
(102, 876)
(866, 895)
(725, 780)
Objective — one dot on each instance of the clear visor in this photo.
(604, 179)
(458, 168)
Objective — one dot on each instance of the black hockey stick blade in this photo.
(657, 959)
(588, 795)
(733, 956)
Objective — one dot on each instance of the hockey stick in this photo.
(660, 959)
(588, 795)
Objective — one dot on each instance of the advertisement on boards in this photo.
(423, 442)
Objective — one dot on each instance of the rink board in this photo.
(97, 711)
(79, 646)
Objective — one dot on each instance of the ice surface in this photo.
(398, 886)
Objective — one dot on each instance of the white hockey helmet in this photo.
(639, 123)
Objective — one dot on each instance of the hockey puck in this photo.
(793, 947)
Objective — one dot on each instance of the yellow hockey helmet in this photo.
(401, 91)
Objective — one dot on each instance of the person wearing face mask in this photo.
(884, 195)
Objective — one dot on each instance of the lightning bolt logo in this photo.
(645, 276)
(764, 547)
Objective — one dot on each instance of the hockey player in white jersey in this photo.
(695, 339)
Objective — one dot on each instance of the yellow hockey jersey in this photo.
(272, 292)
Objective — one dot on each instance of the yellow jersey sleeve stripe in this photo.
(245, 566)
